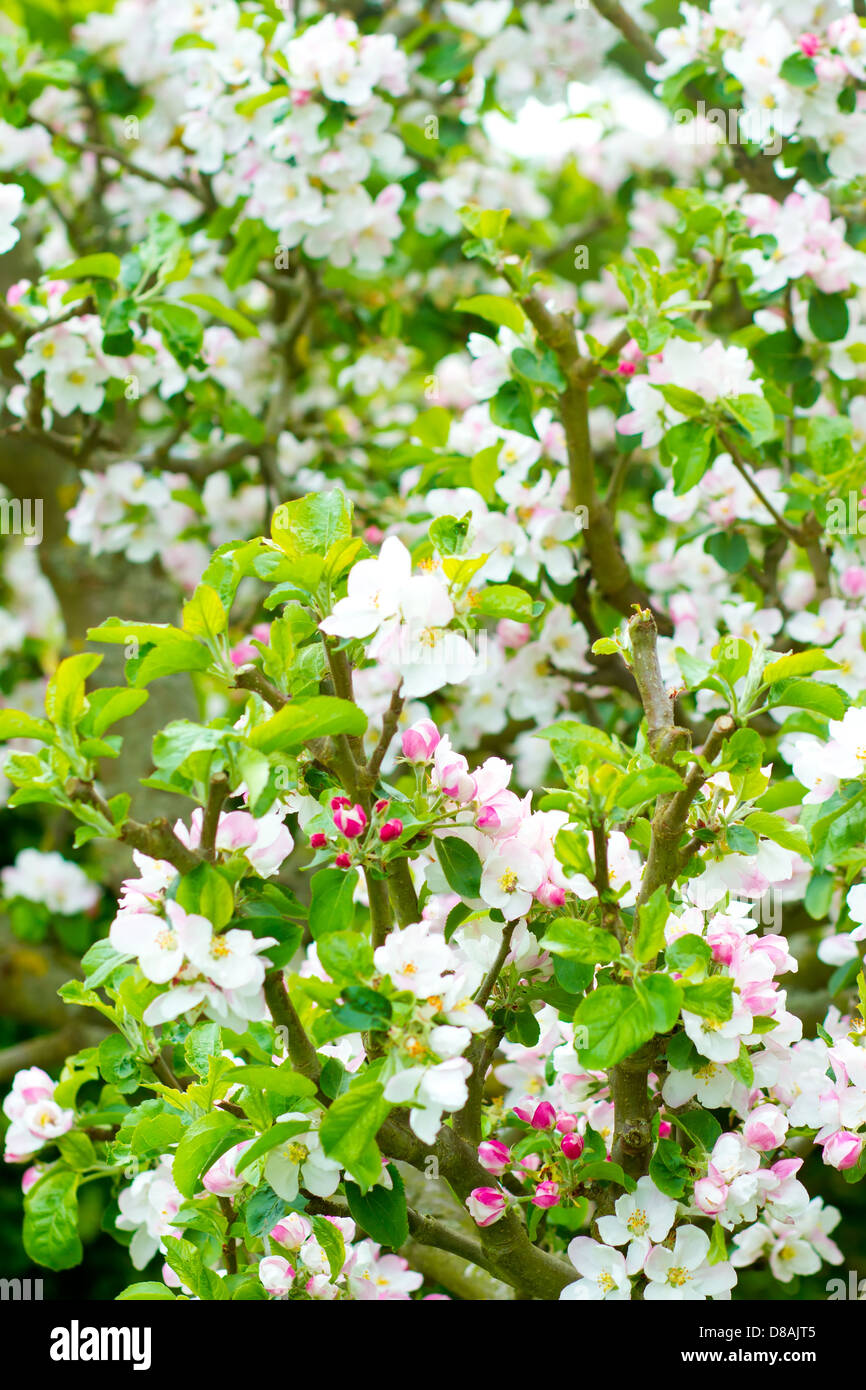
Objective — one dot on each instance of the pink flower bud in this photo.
(711, 1193)
(566, 1123)
(809, 44)
(221, 1179)
(512, 634)
(343, 861)
(666, 1129)
(338, 801)
(420, 741)
(625, 368)
(544, 1116)
(276, 1275)
(765, 1128)
(571, 1145)
(350, 820)
(391, 830)
(373, 535)
(292, 1230)
(381, 806)
(485, 1205)
(318, 840)
(494, 1156)
(842, 1149)
(550, 894)
(852, 581)
(30, 1176)
(546, 1195)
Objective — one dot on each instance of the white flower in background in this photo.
(35, 1116)
(301, 1161)
(433, 1089)
(372, 1275)
(148, 1207)
(11, 200)
(416, 958)
(50, 879)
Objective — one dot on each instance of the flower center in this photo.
(677, 1276)
(508, 881)
(297, 1153)
(638, 1222)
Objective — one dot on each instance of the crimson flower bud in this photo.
(391, 830)
(544, 1116)
(571, 1145)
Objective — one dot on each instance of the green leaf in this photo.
(202, 1042)
(780, 356)
(204, 615)
(460, 865)
(332, 904)
(503, 312)
(668, 1169)
(544, 370)
(205, 891)
(618, 1021)
(432, 427)
(381, 1212)
(505, 601)
(202, 1144)
(754, 414)
(601, 1170)
(149, 1291)
(279, 1081)
(311, 524)
(14, 723)
(345, 955)
(798, 664)
(665, 1000)
(689, 446)
(511, 408)
(64, 695)
(799, 70)
(828, 316)
(712, 998)
(636, 788)
(683, 401)
(330, 1237)
(278, 1134)
(168, 659)
(576, 940)
(701, 1126)
(300, 720)
(263, 1210)
(776, 828)
(102, 266)
(812, 695)
(186, 1261)
(238, 323)
(110, 704)
(181, 330)
(687, 951)
(350, 1125)
(652, 918)
(729, 549)
(51, 1220)
(364, 1009)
